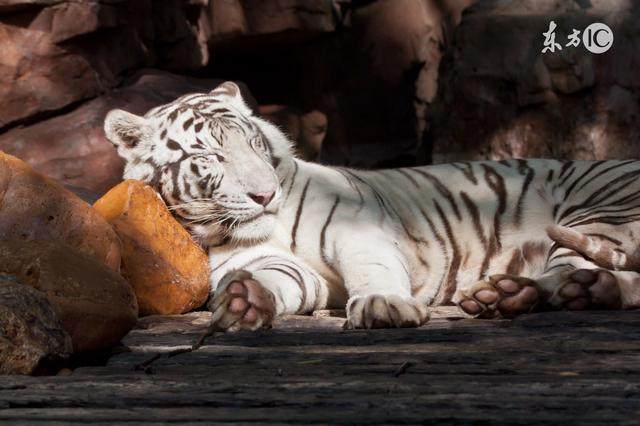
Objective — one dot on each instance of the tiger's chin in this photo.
(253, 231)
(249, 232)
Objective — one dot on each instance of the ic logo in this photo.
(597, 38)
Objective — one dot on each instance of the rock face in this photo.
(31, 335)
(375, 83)
(388, 71)
(96, 306)
(34, 208)
(73, 148)
(373, 78)
(56, 53)
(222, 21)
(167, 269)
(355, 76)
(501, 97)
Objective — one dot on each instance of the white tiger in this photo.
(286, 236)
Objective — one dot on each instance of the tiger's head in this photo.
(210, 158)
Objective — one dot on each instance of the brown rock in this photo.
(38, 76)
(96, 305)
(229, 20)
(501, 97)
(31, 335)
(33, 207)
(56, 53)
(167, 269)
(73, 149)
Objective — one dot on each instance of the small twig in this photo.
(402, 369)
(146, 365)
(211, 330)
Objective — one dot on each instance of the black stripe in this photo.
(475, 217)
(467, 171)
(187, 124)
(354, 186)
(605, 237)
(523, 193)
(294, 230)
(293, 178)
(567, 177)
(408, 176)
(441, 189)
(594, 211)
(565, 167)
(611, 220)
(323, 234)
(173, 145)
(443, 246)
(582, 176)
(608, 169)
(379, 199)
(603, 193)
(559, 266)
(297, 278)
(449, 287)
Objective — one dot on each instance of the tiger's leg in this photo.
(569, 282)
(256, 285)
(378, 284)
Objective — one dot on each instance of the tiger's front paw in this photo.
(378, 311)
(241, 303)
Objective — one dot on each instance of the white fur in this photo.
(383, 244)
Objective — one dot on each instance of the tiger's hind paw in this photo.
(588, 289)
(501, 296)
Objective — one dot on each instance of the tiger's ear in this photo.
(232, 93)
(126, 131)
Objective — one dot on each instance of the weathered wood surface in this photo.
(552, 367)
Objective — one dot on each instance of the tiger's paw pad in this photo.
(241, 303)
(589, 289)
(500, 296)
(380, 311)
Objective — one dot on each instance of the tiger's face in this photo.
(212, 161)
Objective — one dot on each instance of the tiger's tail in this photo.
(599, 251)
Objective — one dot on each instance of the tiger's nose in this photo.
(262, 198)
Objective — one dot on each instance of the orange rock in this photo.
(34, 207)
(167, 269)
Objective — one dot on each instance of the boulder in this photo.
(72, 147)
(223, 21)
(33, 207)
(55, 54)
(167, 269)
(96, 306)
(501, 97)
(31, 335)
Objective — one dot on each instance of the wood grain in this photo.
(551, 367)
